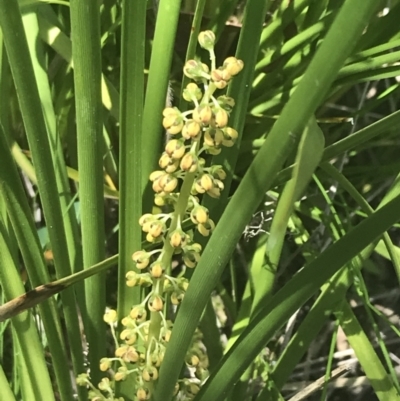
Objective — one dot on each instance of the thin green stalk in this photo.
(157, 85)
(85, 35)
(131, 157)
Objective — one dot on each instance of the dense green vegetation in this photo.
(256, 143)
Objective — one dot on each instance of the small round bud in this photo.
(105, 364)
(191, 129)
(192, 92)
(155, 303)
(189, 163)
(104, 385)
(150, 373)
(207, 40)
(110, 316)
(157, 269)
(138, 313)
(127, 353)
(233, 65)
(121, 374)
(194, 70)
(230, 136)
(206, 228)
(143, 394)
(226, 102)
(221, 118)
(173, 120)
(202, 114)
(175, 148)
(199, 214)
(177, 297)
(141, 258)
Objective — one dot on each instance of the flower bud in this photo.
(150, 373)
(127, 353)
(192, 92)
(206, 228)
(230, 136)
(177, 297)
(199, 214)
(178, 238)
(155, 303)
(143, 394)
(105, 364)
(121, 374)
(175, 148)
(194, 70)
(110, 316)
(202, 114)
(191, 129)
(226, 102)
(138, 313)
(157, 269)
(167, 163)
(233, 65)
(213, 137)
(207, 40)
(141, 258)
(189, 163)
(173, 120)
(221, 118)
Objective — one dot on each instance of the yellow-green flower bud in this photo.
(138, 313)
(207, 40)
(202, 114)
(157, 269)
(191, 256)
(105, 364)
(82, 379)
(194, 70)
(221, 118)
(175, 148)
(141, 258)
(178, 238)
(192, 92)
(206, 228)
(173, 120)
(132, 279)
(143, 394)
(207, 182)
(230, 136)
(156, 228)
(177, 297)
(121, 374)
(110, 316)
(213, 137)
(155, 303)
(218, 172)
(220, 78)
(155, 175)
(127, 353)
(150, 373)
(191, 129)
(167, 163)
(104, 385)
(192, 360)
(226, 102)
(233, 65)
(189, 163)
(199, 214)
(166, 335)
(129, 336)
